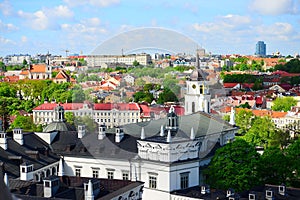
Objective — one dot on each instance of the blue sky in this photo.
(219, 26)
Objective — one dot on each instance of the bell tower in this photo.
(197, 97)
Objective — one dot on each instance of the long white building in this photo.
(103, 60)
(103, 113)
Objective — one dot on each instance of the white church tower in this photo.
(197, 97)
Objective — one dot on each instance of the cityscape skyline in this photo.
(40, 27)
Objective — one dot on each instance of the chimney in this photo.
(252, 196)
(89, 191)
(230, 192)
(119, 134)
(51, 186)
(81, 131)
(26, 170)
(61, 168)
(101, 132)
(46, 100)
(269, 194)
(162, 134)
(192, 137)
(282, 189)
(169, 137)
(205, 189)
(143, 136)
(18, 135)
(3, 140)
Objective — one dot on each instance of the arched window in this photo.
(193, 107)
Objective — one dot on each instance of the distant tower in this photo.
(197, 97)
(260, 49)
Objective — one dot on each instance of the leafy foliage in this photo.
(283, 103)
(244, 120)
(25, 123)
(234, 166)
(239, 78)
(274, 166)
(293, 66)
(261, 133)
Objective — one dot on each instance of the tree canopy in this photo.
(283, 103)
(234, 166)
(261, 133)
(293, 66)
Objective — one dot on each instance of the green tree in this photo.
(261, 133)
(234, 166)
(25, 63)
(2, 66)
(293, 154)
(167, 96)
(274, 167)
(244, 119)
(53, 74)
(89, 123)
(135, 63)
(4, 114)
(70, 118)
(283, 103)
(23, 122)
(226, 118)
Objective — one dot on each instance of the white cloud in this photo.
(275, 7)
(7, 27)
(5, 7)
(5, 41)
(98, 3)
(223, 23)
(37, 21)
(85, 34)
(46, 17)
(91, 26)
(61, 11)
(278, 30)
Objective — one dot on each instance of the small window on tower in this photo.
(201, 89)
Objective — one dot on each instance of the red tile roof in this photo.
(179, 110)
(229, 85)
(11, 78)
(97, 106)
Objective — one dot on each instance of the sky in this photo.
(219, 26)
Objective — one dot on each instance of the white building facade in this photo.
(103, 60)
(103, 113)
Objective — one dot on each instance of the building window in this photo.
(95, 173)
(77, 172)
(152, 181)
(110, 175)
(125, 176)
(184, 180)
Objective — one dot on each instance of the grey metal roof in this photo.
(203, 124)
(17, 154)
(58, 126)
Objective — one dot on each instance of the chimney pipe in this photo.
(3, 140)
(18, 135)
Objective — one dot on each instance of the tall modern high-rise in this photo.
(260, 48)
